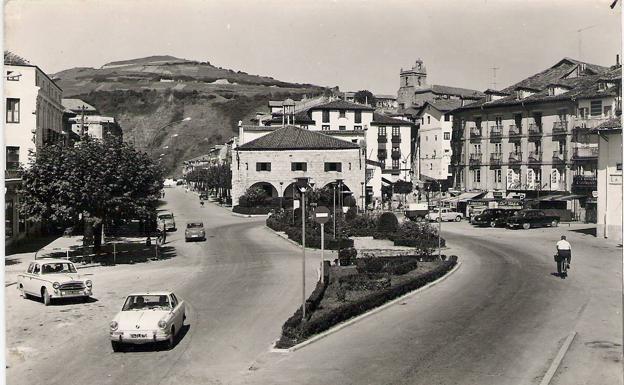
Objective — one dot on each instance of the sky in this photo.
(347, 43)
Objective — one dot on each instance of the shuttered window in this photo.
(595, 108)
(263, 166)
(333, 166)
(325, 116)
(358, 116)
(299, 166)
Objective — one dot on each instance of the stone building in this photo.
(274, 160)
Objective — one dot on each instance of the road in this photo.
(500, 319)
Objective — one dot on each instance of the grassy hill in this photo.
(146, 94)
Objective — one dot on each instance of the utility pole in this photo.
(494, 69)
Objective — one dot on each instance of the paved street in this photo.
(500, 319)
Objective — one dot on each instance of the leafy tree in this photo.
(254, 196)
(365, 97)
(102, 180)
(403, 187)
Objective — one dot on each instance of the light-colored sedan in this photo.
(445, 214)
(148, 317)
(53, 278)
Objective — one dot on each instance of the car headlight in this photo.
(162, 324)
(88, 283)
(56, 285)
(114, 325)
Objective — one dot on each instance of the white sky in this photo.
(352, 44)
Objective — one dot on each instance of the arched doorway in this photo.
(268, 188)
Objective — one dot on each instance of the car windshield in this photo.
(195, 225)
(147, 302)
(58, 268)
(165, 216)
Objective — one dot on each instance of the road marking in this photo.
(351, 321)
(557, 361)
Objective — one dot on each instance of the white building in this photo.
(434, 139)
(274, 160)
(609, 221)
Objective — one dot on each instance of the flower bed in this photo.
(352, 292)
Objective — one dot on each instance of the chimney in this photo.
(617, 59)
(240, 129)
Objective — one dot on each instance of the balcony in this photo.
(382, 139)
(475, 132)
(585, 153)
(396, 139)
(584, 183)
(475, 159)
(515, 133)
(496, 133)
(560, 128)
(496, 159)
(535, 131)
(515, 158)
(535, 157)
(382, 154)
(396, 155)
(589, 122)
(558, 157)
(13, 174)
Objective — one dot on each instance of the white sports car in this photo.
(148, 318)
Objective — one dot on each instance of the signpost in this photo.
(321, 216)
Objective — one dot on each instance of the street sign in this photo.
(321, 215)
(595, 194)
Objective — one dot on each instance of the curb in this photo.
(369, 313)
(558, 359)
(249, 215)
(285, 237)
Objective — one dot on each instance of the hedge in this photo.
(251, 210)
(313, 239)
(293, 333)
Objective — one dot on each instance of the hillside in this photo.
(147, 94)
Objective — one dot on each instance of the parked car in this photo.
(195, 231)
(149, 317)
(204, 196)
(445, 214)
(417, 211)
(492, 217)
(532, 218)
(50, 279)
(166, 219)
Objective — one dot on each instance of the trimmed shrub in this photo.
(251, 210)
(349, 201)
(364, 282)
(347, 256)
(387, 223)
(371, 265)
(351, 213)
(422, 236)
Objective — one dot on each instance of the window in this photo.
(447, 117)
(447, 136)
(342, 128)
(12, 77)
(396, 131)
(325, 116)
(537, 118)
(12, 110)
(607, 111)
(358, 116)
(518, 120)
(498, 176)
(595, 108)
(583, 112)
(382, 163)
(174, 301)
(476, 176)
(299, 166)
(31, 267)
(395, 164)
(36, 269)
(499, 120)
(396, 150)
(343, 113)
(325, 127)
(428, 119)
(435, 138)
(430, 166)
(382, 131)
(426, 138)
(333, 166)
(12, 158)
(357, 128)
(354, 141)
(618, 166)
(434, 154)
(498, 148)
(263, 166)
(478, 121)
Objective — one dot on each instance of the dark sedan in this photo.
(532, 218)
(493, 217)
(195, 231)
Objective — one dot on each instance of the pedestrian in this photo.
(564, 256)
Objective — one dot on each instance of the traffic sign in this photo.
(321, 215)
(595, 194)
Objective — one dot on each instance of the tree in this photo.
(98, 179)
(403, 187)
(365, 97)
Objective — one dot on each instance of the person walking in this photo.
(564, 257)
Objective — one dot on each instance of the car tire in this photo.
(21, 292)
(526, 226)
(45, 297)
(458, 219)
(171, 340)
(554, 223)
(117, 346)
(492, 223)
(183, 317)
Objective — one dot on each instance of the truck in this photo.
(417, 211)
(532, 218)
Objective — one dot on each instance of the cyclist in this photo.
(564, 256)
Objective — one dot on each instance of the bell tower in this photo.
(411, 80)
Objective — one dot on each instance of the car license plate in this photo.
(70, 292)
(194, 236)
(138, 335)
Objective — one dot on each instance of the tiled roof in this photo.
(456, 91)
(295, 138)
(341, 105)
(579, 87)
(612, 124)
(300, 118)
(495, 92)
(383, 119)
(445, 105)
(76, 104)
(382, 96)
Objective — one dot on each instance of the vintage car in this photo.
(150, 317)
(445, 214)
(195, 231)
(492, 217)
(166, 220)
(51, 279)
(532, 218)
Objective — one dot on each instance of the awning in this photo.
(561, 197)
(464, 197)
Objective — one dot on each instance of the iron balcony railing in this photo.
(13, 174)
(558, 157)
(560, 128)
(515, 157)
(535, 157)
(515, 132)
(396, 155)
(382, 154)
(475, 158)
(590, 121)
(475, 132)
(382, 139)
(496, 131)
(396, 139)
(585, 153)
(496, 158)
(535, 129)
(585, 181)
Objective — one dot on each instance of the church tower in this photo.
(411, 80)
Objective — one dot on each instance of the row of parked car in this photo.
(511, 218)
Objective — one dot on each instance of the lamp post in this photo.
(302, 185)
(363, 198)
(281, 195)
(334, 195)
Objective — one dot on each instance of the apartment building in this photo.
(84, 119)
(535, 137)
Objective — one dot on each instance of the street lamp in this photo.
(281, 194)
(339, 183)
(363, 197)
(303, 185)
